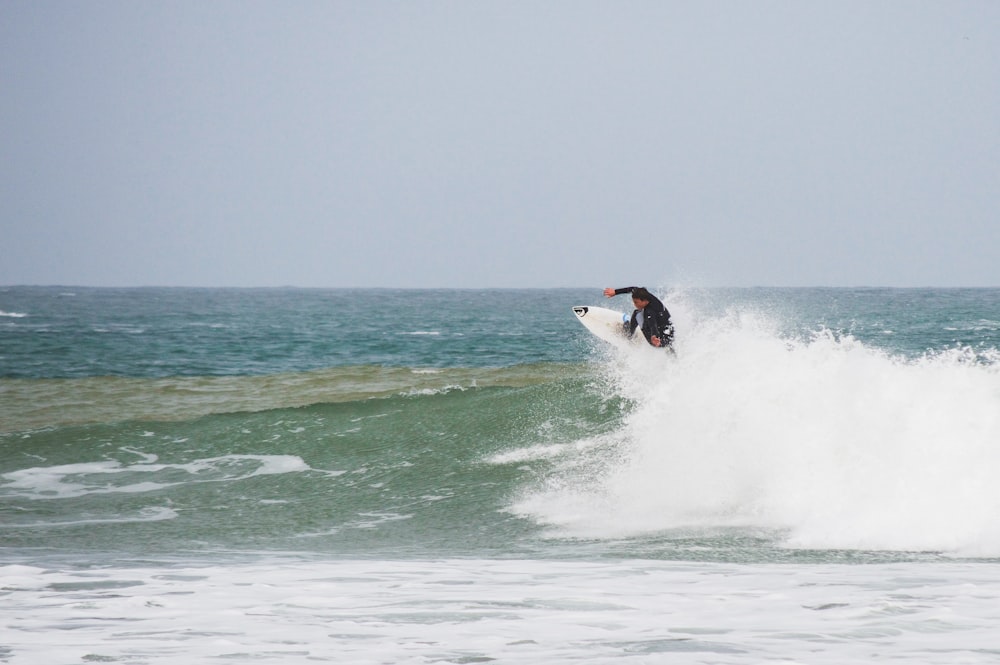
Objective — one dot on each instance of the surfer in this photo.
(650, 316)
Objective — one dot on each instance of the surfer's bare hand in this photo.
(655, 341)
(609, 292)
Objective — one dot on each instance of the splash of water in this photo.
(830, 442)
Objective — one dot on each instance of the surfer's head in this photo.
(641, 295)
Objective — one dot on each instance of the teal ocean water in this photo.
(292, 475)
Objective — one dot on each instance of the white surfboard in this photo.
(607, 324)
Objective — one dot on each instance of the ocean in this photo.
(468, 476)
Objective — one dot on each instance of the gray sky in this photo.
(500, 144)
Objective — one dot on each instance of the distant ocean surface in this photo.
(464, 476)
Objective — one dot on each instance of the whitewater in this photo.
(839, 445)
(203, 476)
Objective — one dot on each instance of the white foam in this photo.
(834, 443)
(75, 480)
(423, 392)
(509, 611)
(545, 451)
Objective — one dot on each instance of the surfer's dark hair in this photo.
(641, 293)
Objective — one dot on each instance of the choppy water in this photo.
(189, 475)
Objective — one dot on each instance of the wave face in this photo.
(408, 473)
(816, 425)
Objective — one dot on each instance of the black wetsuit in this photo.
(655, 320)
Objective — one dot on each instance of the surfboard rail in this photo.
(607, 324)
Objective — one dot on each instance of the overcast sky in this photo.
(500, 144)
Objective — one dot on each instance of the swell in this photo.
(28, 404)
(427, 472)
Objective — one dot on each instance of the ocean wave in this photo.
(823, 441)
(45, 403)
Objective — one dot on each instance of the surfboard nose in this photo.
(580, 311)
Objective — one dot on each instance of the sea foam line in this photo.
(75, 480)
(511, 611)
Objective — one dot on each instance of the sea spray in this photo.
(821, 440)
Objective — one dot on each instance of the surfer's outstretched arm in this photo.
(611, 293)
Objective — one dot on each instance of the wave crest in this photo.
(822, 439)
(43, 403)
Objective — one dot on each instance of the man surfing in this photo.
(649, 316)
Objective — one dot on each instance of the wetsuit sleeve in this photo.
(627, 289)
